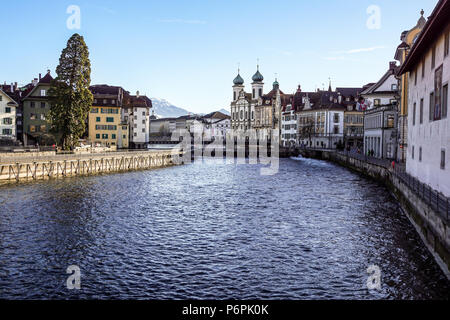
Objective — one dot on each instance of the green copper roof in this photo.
(258, 77)
(238, 80)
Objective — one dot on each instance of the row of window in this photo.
(7, 109)
(108, 119)
(377, 102)
(41, 104)
(7, 132)
(105, 127)
(144, 113)
(289, 126)
(288, 136)
(235, 115)
(105, 101)
(352, 118)
(433, 58)
(7, 120)
(40, 116)
(105, 110)
(41, 128)
(442, 164)
(106, 136)
(437, 108)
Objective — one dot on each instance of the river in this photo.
(212, 231)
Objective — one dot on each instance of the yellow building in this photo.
(104, 123)
(354, 128)
(408, 39)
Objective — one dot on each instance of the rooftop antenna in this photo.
(257, 64)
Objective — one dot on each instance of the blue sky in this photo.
(187, 52)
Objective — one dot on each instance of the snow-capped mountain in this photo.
(164, 109)
(225, 111)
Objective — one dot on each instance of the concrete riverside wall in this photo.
(432, 227)
(27, 169)
(7, 156)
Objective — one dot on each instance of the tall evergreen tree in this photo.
(70, 94)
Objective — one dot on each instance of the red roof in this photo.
(46, 79)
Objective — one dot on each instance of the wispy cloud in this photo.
(334, 58)
(359, 50)
(182, 21)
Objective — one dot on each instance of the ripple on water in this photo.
(212, 230)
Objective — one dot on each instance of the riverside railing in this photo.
(433, 198)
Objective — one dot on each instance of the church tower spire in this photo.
(238, 85)
(257, 84)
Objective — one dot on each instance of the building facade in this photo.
(380, 129)
(428, 65)
(36, 108)
(256, 110)
(8, 106)
(105, 125)
(381, 115)
(136, 113)
(289, 126)
(407, 38)
(321, 117)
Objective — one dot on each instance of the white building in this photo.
(321, 119)
(136, 112)
(216, 124)
(428, 64)
(385, 91)
(380, 116)
(7, 117)
(288, 126)
(380, 128)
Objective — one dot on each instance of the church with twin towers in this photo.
(254, 109)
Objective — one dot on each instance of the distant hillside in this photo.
(164, 109)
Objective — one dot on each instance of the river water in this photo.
(212, 231)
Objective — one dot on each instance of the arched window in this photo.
(254, 93)
(242, 114)
(260, 92)
(234, 95)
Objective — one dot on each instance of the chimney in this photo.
(392, 65)
(34, 82)
(48, 71)
(15, 86)
(40, 76)
(137, 94)
(12, 87)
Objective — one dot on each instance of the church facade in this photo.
(255, 110)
